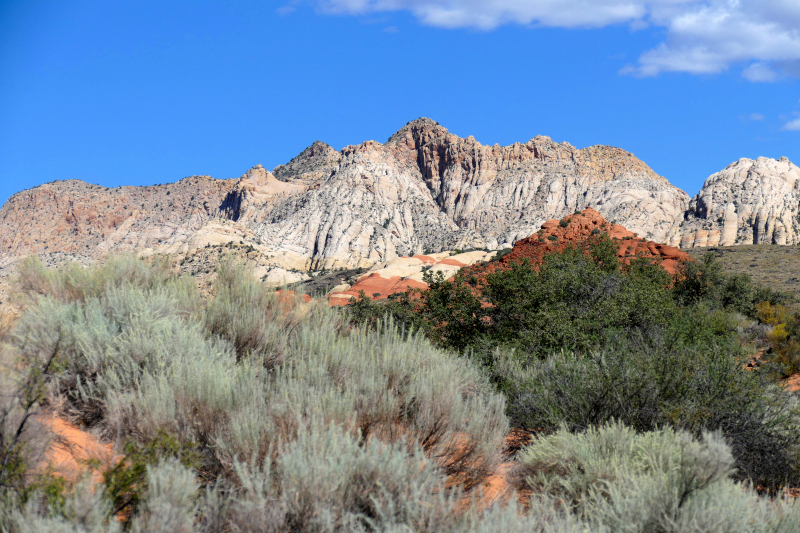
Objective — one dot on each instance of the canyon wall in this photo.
(423, 191)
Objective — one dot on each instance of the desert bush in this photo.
(134, 362)
(84, 510)
(657, 381)
(705, 280)
(329, 480)
(254, 318)
(575, 467)
(170, 502)
(614, 479)
(73, 282)
(107, 345)
(397, 386)
(773, 314)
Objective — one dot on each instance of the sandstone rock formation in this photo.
(749, 202)
(425, 190)
(402, 273)
(556, 234)
(505, 193)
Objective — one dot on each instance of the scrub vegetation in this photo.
(251, 410)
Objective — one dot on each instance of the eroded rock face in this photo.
(425, 190)
(403, 273)
(749, 202)
(578, 228)
(86, 220)
(505, 192)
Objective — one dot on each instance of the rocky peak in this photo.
(607, 163)
(424, 191)
(418, 132)
(310, 166)
(256, 174)
(749, 202)
(536, 180)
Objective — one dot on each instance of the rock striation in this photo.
(749, 202)
(577, 229)
(423, 191)
(505, 193)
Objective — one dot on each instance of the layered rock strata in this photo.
(423, 191)
(403, 273)
(749, 202)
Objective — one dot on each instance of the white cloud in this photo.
(488, 15)
(792, 125)
(760, 72)
(702, 36)
(756, 117)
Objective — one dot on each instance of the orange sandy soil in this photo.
(377, 284)
(792, 382)
(71, 450)
(497, 488)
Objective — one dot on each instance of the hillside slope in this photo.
(423, 191)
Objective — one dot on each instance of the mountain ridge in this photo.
(422, 191)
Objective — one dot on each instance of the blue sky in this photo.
(132, 93)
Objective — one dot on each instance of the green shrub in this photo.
(128, 481)
(705, 280)
(619, 342)
(612, 478)
(569, 302)
(502, 253)
(134, 362)
(657, 381)
(572, 299)
(328, 480)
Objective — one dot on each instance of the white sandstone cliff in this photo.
(749, 202)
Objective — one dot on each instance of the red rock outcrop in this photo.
(405, 273)
(555, 235)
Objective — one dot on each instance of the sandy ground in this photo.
(72, 450)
